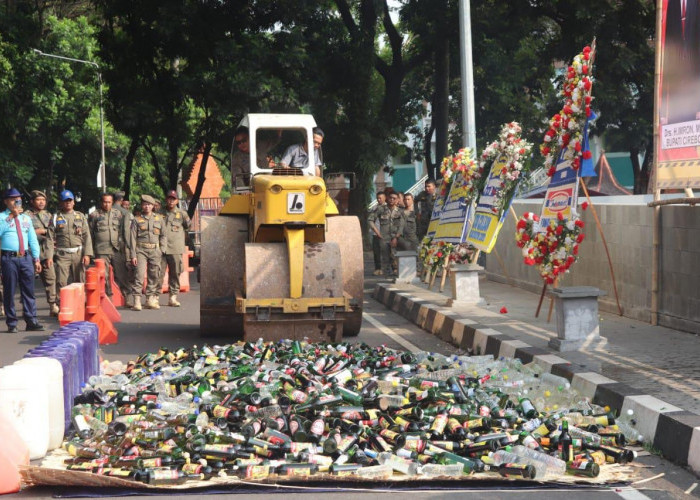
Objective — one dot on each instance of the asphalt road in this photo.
(148, 330)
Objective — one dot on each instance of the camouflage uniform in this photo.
(71, 236)
(123, 271)
(107, 230)
(176, 224)
(424, 211)
(392, 224)
(409, 238)
(41, 219)
(147, 242)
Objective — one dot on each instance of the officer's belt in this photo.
(70, 250)
(147, 245)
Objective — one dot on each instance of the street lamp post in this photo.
(465, 35)
(101, 179)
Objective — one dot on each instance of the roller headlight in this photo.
(275, 189)
(316, 189)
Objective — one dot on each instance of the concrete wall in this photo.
(627, 225)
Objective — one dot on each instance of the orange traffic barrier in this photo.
(98, 308)
(107, 305)
(72, 303)
(13, 454)
(117, 296)
(184, 276)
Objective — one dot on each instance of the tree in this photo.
(623, 71)
(49, 132)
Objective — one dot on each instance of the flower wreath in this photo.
(438, 255)
(463, 162)
(514, 150)
(553, 250)
(566, 127)
(424, 248)
(462, 253)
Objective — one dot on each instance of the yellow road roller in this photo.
(279, 262)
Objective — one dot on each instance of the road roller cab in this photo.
(279, 262)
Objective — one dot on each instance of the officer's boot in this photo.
(137, 303)
(173, 302)
(54, 309)
(153, 302)
(129, 301)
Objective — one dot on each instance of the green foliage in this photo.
(180, 73)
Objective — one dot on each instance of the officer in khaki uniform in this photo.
(123, 270)
(107, 231)
(409, 239)
(41, 219)
(147, 243)
(72, 243)
(176, 224)
(391, 227)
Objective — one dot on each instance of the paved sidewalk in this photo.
(651, 370)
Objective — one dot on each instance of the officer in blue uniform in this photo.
(19, 260)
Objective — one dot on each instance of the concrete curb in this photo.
(670, 429)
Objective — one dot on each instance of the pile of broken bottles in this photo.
(265, 410)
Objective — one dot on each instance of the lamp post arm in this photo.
(103, 166)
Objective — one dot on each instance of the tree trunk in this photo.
(173, 167)
(428, 150)
(641, 172)
(133, 147)
(201, 177)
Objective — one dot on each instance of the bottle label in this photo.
(220, 411)
(298, 472)
(217, 448)
(118, 472)
(152, 462)
(298, 397)
(257, 471)
(351, 415)
(318, 426)
(164, 475)
(192, 468)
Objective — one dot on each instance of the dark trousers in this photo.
(377, 252)
(18, 271)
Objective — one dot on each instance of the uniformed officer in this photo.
(409, 239)
(391, 228)
(123, 270)
(107, 232)
(72, 242)
(41, 218)
(147, 242)
(424, 208)
(176, 224)
(19, 260)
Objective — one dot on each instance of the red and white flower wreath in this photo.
(566, 127)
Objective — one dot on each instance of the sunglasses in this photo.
(240, 142)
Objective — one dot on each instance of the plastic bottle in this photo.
(627, 424)
(437, 470)
(503, 456)
(398, 464)
(554, 464)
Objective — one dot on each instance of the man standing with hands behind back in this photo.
(147, 243)
(41, 218)
(72, 242)
(107, 230)
(19, 260)
(176, 224)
